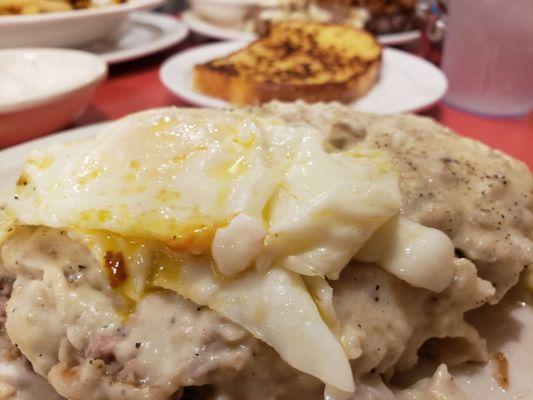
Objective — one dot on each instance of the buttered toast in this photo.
(296, 60)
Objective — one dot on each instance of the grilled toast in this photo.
(296, 60)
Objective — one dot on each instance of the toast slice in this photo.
(296, 60)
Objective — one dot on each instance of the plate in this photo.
(394, 39)
(67, 28)
(206, 28)
(142, 34)
(209, 29)
(12, 158)
(408, 83)
(510, 330)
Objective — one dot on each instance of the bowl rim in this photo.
(113, 9)
(94, 80)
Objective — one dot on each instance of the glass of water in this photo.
(488, 56)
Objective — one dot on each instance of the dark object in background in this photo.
(82, 4)
(431, 17)
(173, 6)
(385, 16)
(389, 16)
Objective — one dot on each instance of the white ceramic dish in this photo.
(393, 39)
(68, 28)
(408, 83)
(234, 10)
(510, 330)
(207, 28)
(142, 34)
(44, 89)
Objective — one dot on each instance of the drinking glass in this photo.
(488, 56)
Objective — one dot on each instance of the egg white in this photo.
(227, 210)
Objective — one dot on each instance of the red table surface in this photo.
(135, 86)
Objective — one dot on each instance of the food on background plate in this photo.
(384, 16)
(295, 61)
(285, 252)
(22, 72)
(10, 7)
(389, 16)
(377, 16)
(259, 20)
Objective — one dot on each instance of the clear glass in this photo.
(488, 56)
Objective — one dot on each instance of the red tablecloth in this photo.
(136, 86)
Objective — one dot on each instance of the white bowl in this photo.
(43, 90)
(66, 28)
(228, 12)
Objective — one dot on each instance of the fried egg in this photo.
(181, 176)
(245, 215)
(418, 255)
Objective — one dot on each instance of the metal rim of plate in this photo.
(173, 31)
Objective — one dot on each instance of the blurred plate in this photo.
(142, 34)
(12, 159)
(204, 27)
(209, 29)
(407, 83)
(67, 28)
(393, 39)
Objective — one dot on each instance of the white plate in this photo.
(142, 34)
(394, 39)
(509, 331)
(67, 28)
(408, 83)
(206, 28)
(209, 29)
(12, 158)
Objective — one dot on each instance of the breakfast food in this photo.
(384, 16)
(389, 16)
(287, 252)
(9, 7)
(260, 19)
(297, 60)
(376, 16)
